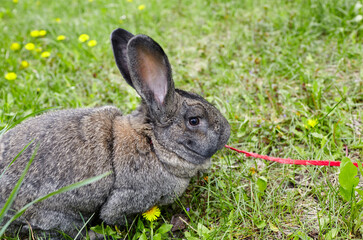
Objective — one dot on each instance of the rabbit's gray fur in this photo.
(152, 152)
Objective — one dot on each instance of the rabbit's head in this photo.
(183, 123)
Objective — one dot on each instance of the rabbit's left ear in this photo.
(119, 39)
(151, 76)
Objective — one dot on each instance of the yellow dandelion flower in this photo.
(92, 43)
(253, 170)
(61, 37)
(141, 7)
(58, 20)
(15, 1)
(312, 122)
(152, 214)
(45, 54)
(129, 0)
(42, 33)
(34, 33)
(90, 0)
(10, 76)
(24, 64)
(29, 46)
(15, 46)
(83, 38)
(39, 49)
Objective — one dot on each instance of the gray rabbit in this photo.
(152, 153)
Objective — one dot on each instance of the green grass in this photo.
(269, 66)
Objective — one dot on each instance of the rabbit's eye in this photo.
(194, 121)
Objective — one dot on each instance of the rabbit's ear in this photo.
(151, 75)
(119, 40)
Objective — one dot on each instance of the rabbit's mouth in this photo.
(196, 154)
(204, 154)
(197, 151)
(179, 163)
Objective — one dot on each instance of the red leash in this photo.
(288, 160)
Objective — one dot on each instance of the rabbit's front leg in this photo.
(125, 202)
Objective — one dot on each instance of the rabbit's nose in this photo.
(223, 129)
(225, 134)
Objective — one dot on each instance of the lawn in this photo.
(286, 74)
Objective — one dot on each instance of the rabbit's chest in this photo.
(139, 171)
(146, 176)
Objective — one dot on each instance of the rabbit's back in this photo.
(73, 145)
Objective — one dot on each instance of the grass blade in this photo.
(61, 190)
(15, 191)
(26, 147)
(11, 125)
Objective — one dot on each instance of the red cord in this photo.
(288, 160)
